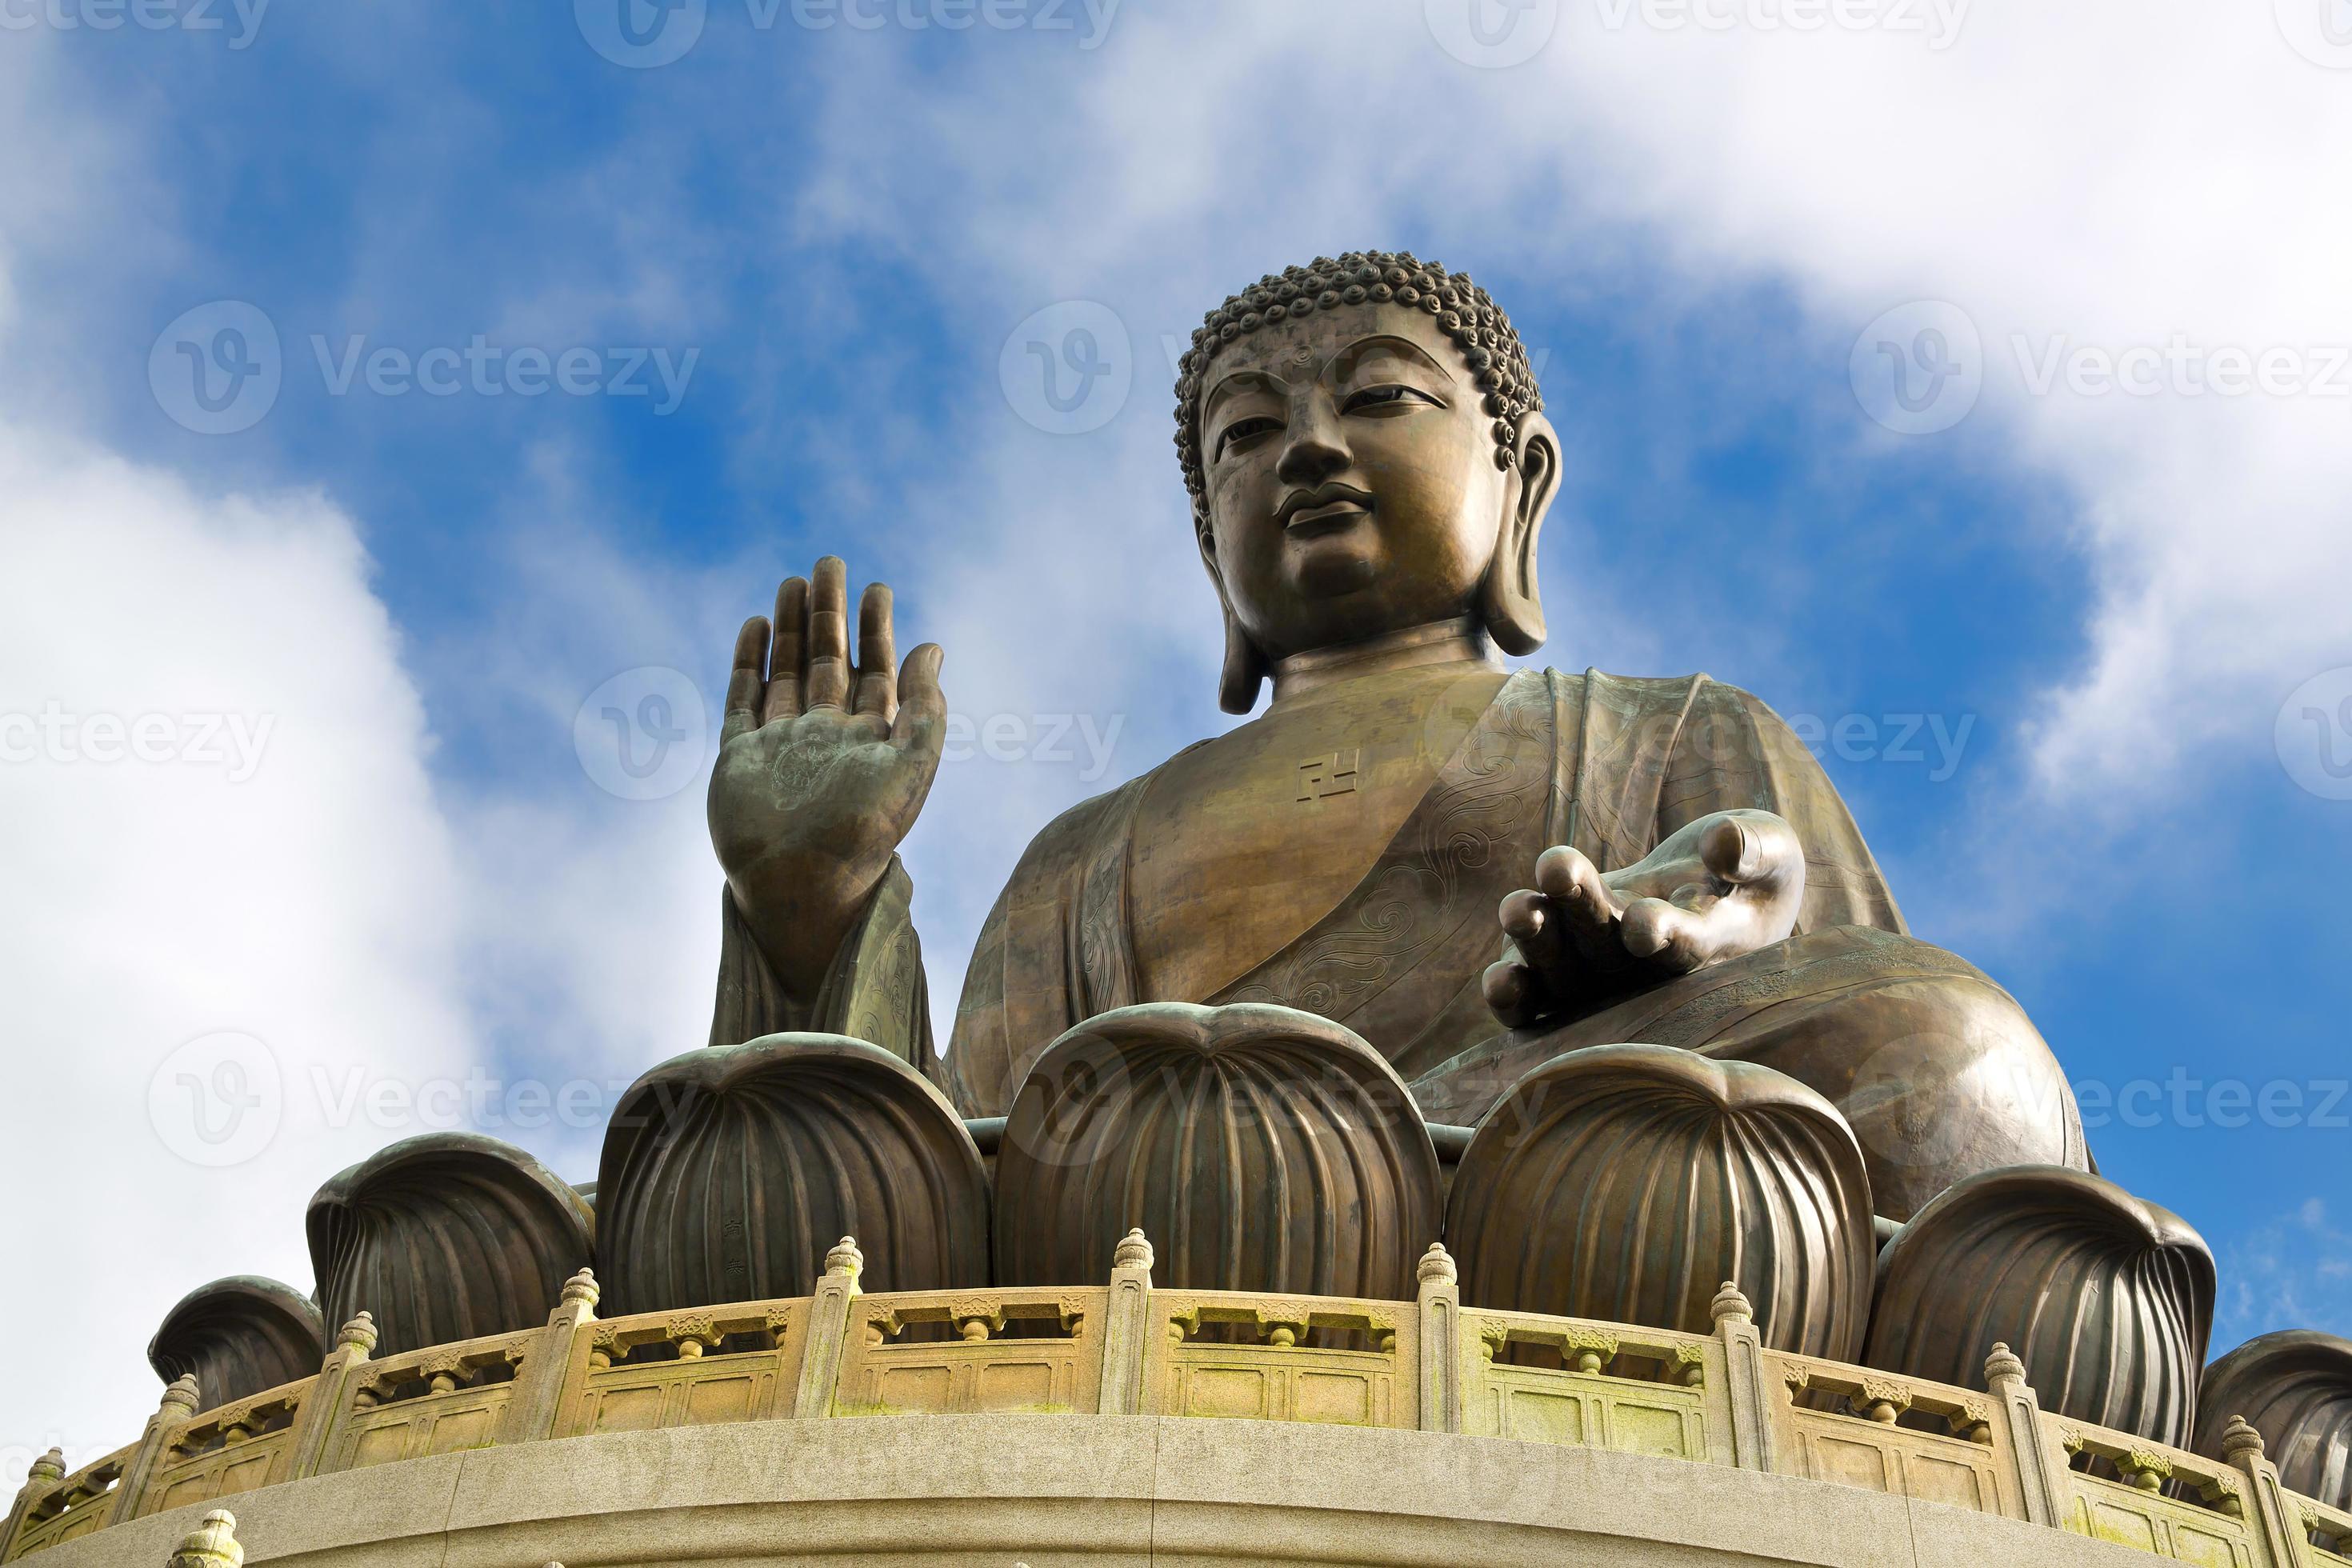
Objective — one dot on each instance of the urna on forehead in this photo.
(1462, 310)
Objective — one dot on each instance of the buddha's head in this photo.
(1366, 453)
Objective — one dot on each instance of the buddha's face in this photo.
(1352, 486)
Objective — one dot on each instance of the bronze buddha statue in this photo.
(1370, 468)
(1590, 979)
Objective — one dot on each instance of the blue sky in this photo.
(2082, 610)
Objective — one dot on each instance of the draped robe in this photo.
(1939, 1070)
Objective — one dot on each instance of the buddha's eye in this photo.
(1389, 396)
(1241, 432)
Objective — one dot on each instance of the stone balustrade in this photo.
(1431, 1364)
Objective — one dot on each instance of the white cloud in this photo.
(301, 893)
(2106, 174)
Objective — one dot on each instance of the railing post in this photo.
(322, 1411)
(2038, 1469)
(1125, 1326)
(178, 1404)
(551, 1364)
(1747, 1388)
(2271, 1518)
(1440, 1339)
(828, 1330)
(40, 1480)
(212, 1544)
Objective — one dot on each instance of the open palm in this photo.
(822, 766)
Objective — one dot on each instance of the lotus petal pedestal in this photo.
(239, 1336)
(1628, 1183)
(1259, 1147)
(727, 1170)
(447, 1236)
(2106, 1299)
(2296, 1389)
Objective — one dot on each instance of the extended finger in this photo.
(1588, 911)
(784, 669)
(1526, 920)
(877, 655)
(921, 723)
(1670, 937)
(1752, 846)
(744, 686)
(1511, 991)
(828, 636)
(1567, 874)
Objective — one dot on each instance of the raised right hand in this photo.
(822, 768)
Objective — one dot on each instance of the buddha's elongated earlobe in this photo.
(1509, 600)
(1245, 668)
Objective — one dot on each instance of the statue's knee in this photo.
(1940, 1071)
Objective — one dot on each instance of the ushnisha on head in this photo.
(1367, 453)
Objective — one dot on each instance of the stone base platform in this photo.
(1048, 1491)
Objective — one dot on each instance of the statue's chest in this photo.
(1242, 845)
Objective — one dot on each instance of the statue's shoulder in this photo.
(1657, 692)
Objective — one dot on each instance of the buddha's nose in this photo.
(1313, 451)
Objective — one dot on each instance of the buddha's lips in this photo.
(1324, 510)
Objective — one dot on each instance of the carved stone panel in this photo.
(2108, 1299)
(729, 1171)
(1259, 1147)
(239, 1336)
(2296, 1389)
(447, 1236)
(1627, 1182)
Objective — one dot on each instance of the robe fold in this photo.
(1610, 764)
